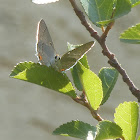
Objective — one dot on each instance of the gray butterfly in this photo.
(47, 55)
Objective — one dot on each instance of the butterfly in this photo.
(47, 55)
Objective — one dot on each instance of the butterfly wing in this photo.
(44, 46)
(70, 58)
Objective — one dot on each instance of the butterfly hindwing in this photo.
(45, 48)
(70, 58)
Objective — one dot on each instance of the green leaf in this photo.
(45, 76)
(74, 72)
(122, 7)
(135, 2)
(100, 11)
(77, 129)
(108, 130)
(139, 138)
(132, 35)
(92, 86)
(126, 117)
(108, 77)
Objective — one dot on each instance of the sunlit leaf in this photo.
(92, 86)
(139, 138)
(108, 130)
(44, 76)
(126, 117)
(132, 35)
(135, 2)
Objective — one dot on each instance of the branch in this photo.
(92, 32)
(101, 40)
(86, 104)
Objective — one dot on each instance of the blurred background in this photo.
(31, 112)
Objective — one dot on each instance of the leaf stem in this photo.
(101, 40)
(86, 104)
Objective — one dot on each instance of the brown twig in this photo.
(104, 35)
(86, 104)
(101, 40)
